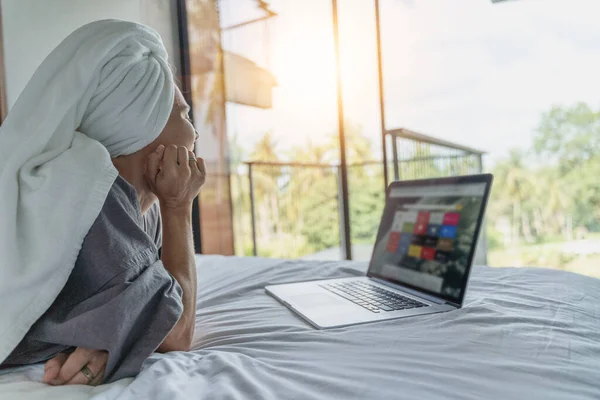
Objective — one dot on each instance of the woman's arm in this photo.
(178, 259)
(175, 176)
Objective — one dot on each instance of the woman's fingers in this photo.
(170, 158)
(198, 170)
(193, 162)
(179, 179)
(52, 367)
(182, 157)
(160, 150)
(96, 366)
(73, 365)
(153, 165)
(98, 379)
(201, 165)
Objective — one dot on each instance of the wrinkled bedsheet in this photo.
(523, 333)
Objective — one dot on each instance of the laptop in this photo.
(421, 260)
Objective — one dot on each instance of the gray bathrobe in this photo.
(119, 297)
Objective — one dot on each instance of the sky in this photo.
(466, 71)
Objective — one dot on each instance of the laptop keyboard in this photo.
(371, 297)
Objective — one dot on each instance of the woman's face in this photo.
(179, 129)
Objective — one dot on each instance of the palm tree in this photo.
(303, 178)
(558, 204)
(265, 185)
(515, 186)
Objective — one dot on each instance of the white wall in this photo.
(32, 28)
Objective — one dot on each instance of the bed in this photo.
(522, 333)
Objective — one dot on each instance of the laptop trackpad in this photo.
(316, 300)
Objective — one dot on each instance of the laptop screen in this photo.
(427, 235)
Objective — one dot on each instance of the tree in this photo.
(303, 179)
(367, 200)
(569, 137)
(239, 196)
(265, 188)
(513, 186)
(554, 188)
(303, 199)
(321, 209)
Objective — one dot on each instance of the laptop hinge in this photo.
(429, 297)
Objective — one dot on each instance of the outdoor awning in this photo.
(247, 83)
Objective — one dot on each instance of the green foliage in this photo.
(569, 135)
(367, 198)
(321, 216)
(540, 194)
(569, 139)
(494, 239)
(296, 207)
(553, 189)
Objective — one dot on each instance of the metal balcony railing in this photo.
(295, 209)
(416, 156)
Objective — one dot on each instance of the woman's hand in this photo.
(175, 176)
(65, 369)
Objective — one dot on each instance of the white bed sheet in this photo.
(522, 333)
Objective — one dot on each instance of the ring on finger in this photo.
(98, 378)
(87, 373)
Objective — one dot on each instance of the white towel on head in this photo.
(105, 91)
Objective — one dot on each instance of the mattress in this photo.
(523, 333)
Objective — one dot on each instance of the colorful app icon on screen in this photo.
(419, 240)
(433, 230)
(423, 217)
(408, 227)
(411, 216)
(398, 221)
(436, 218)
(420, 228)
(430, 241)
(428, 253)
(393, 241)
(415, 251)
(445, 244)
(404, 244)
(448, 231)
(451, 218)
(421, 224)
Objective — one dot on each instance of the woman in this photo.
(101, 142)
